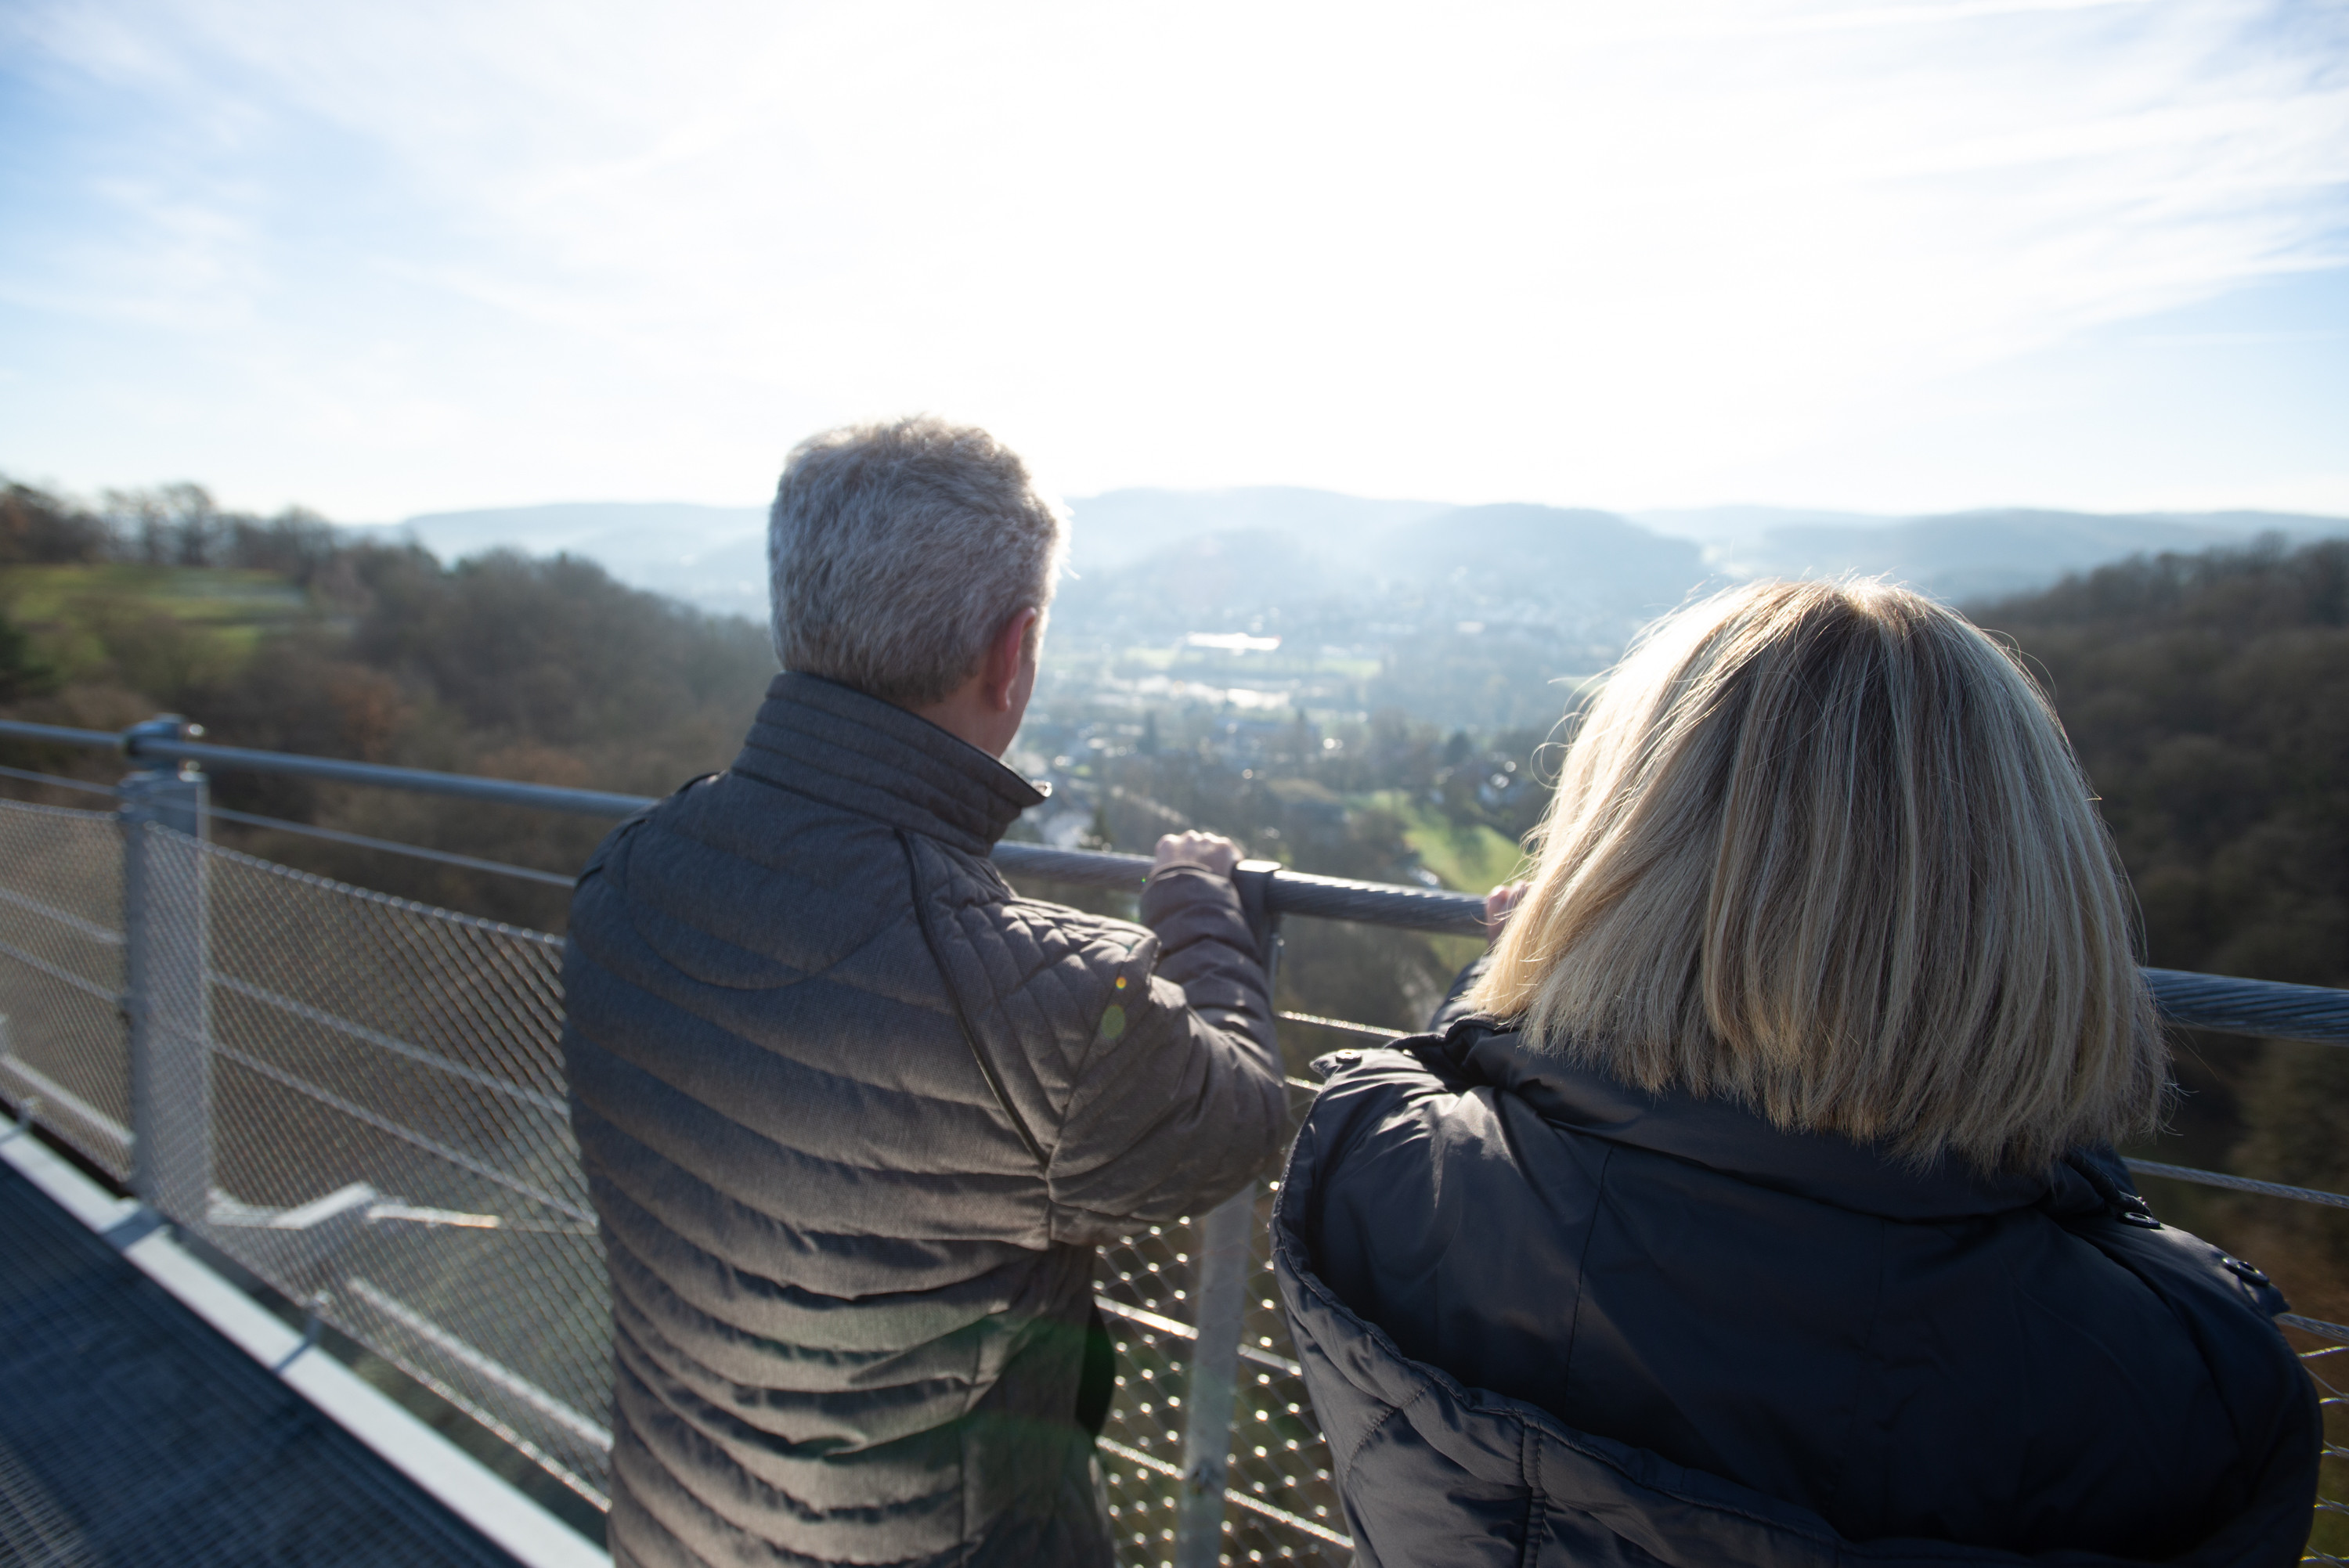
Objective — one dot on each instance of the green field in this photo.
(1473, 860)
(83, 616)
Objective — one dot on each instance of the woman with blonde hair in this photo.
(1754, 1199)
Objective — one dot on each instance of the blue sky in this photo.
(1896, 257)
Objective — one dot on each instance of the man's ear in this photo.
(1004, 656)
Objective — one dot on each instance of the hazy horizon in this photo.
(1651, 516)
(1292, 546)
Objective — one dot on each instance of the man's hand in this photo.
(1209, 851)
(1497, 905)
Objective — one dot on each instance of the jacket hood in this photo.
(835, 743)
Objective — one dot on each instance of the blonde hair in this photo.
(1823, 848)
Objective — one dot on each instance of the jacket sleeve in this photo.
(1179, 1099)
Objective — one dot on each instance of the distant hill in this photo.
(712, 556)
(1723, 525)
(715, 556)
(1119, 528)
(1318, 560)
(1981, 554)
(1210, 582)
(1502, 560)
(1589, 574)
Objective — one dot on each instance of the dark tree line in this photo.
(2208, 698)
(169, 525)
(544, 670)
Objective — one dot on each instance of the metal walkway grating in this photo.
(132, 1433)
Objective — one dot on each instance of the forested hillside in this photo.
(274, 634)
(2209, 697)
(278, 633)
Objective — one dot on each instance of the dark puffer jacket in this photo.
(854, 1115)
(1545, 1318)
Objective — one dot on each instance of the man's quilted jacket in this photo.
(854, 1114)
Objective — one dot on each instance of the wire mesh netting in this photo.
(385, 1136)
(391, 1142)
(2330, 1534)
(387, 1139)
(61, 1035)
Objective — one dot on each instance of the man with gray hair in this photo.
(853, 1111)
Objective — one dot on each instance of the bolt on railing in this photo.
(169, 981)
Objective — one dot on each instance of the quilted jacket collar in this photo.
(1723, 1136)
(833, 743)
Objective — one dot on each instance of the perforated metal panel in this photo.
(1280, 1505)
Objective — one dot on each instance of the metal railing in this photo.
(360, 1099)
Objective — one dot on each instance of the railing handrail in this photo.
(2266, 1008)
(2269, 1009)
(1295, 892)
(169, 983)
(1291, 893)
(148, 741)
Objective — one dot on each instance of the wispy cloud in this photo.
(1521, 249)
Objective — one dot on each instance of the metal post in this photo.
(167, 996)
(1225, 1234)
(1254, 881)
(1213, 1386)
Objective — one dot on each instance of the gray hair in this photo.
(897, 550)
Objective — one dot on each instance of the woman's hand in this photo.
(1497, 905)
(1208, 852)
